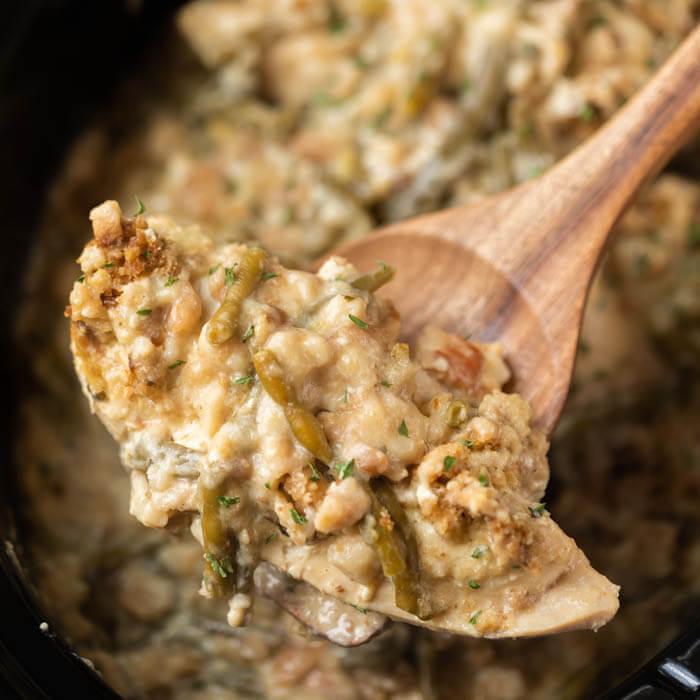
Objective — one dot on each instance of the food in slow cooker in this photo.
(513, 87)
(276, 410)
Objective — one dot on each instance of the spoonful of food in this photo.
(517, 267)
(273, 412)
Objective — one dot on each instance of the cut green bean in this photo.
(397, 550)
(456, 413)
(224, 323)
(219, 548)
(303, 424)
(372, 281)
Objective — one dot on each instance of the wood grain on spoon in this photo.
(517, 267)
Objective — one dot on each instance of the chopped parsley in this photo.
(223, 567)
(315, 476)
(110, 264)
(147, 254)
(382, 264)
(344, 469)
(385, 383)
(468, 443)
(345, 395)
(358, 321)
(360, 62)
(177, 364)
(214, 268)
(468, 336)
(474, 584)
(380, 119)
(144, 312)
(297, 517)
(336, 21)
(448, 463)
(403, 430)
(269, 275)
(270, 537)
(227, 501)
(357, 607)
(230, 277)
(538, 510)
(483, 480)
(693, 235)
(171, 281)
(480, 551)
(247, 335)
(80, 279)
(244, 380)
(267, 484)
(586, 113)
(466, 86)
(475, 617)
(140, 206)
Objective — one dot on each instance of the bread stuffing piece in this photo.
(274, 411)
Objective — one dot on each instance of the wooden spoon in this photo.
(517, 267)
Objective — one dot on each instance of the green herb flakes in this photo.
(247, 335)
(147, 254)
(360, 609)
(80, 279)
(385, 383)
(474, 584)
(144, 312)
(537, 511)
(230, 276)
(344, 469)
(267, 485)
(692, 235)
(382, 264)
(171, 281)
(475, 617)
(269, 275)
(241, 381)
(140, 208)
(214, 268)
(403, 430)
(345, 395)
(297, 517)
(270, 537)
(223, 567)
(480, 551)
(315, 476)
(586, 113)
(483, 480)
(336, 21)
(227, 501)
(448, 463)
(358, 321)
(468, 443)
(177, 364)
(110, 264)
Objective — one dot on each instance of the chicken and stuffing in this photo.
(274, 412)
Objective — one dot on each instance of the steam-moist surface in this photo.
(192, 417)
(526, 82)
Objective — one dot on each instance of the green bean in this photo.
(219, 548)
(224, 323)
(397, 549)
(456, 413)
(304, 425)
(374, 280)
